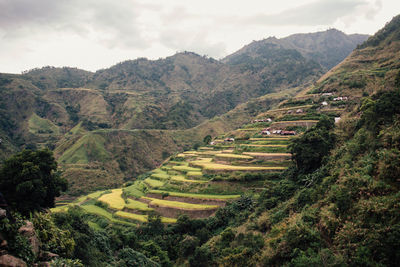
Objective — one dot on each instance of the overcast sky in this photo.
(95, 34)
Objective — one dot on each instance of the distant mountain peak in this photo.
(328, 47)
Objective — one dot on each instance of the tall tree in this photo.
(30, 181)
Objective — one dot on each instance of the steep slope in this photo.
(328, 48)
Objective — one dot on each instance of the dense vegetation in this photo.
(30, 181)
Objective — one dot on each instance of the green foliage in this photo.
(18, 245)
(129, 257)
(309, 150)
(207, 139)
(62, 262)
(51, 237)
(30, 181)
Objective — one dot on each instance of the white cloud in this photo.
(93, 34)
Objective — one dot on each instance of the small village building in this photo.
(340, 98)
(299, 111)
(229, 139)
(289, 111)
(212, 143)
(324, 103)
(265, 131)
(337, 119)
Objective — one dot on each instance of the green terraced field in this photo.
(185, 168)
(131, 216)
(137, 205)
(153, 182)
(93, 209)
(159, 174)
(141, 218)
(179, 205)
(135, 190)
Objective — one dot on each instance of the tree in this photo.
(309, 149)
(30, 181)
(207, 139)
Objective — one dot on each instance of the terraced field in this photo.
(191, 182)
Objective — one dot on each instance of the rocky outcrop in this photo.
(28, 231)
(11, 261)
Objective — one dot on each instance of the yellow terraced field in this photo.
(182, 178)
(194, 174)
(234, 156)
(178, 204)
(206, 148)
(114, 199)
(283, 138)
(264, 145)
(222, 167)
(260, 154)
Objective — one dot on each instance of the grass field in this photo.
(153, 182)
(179, 205)
(114, 199)
(78, 152)
(38, 125)
(137, 205)
(193, 195)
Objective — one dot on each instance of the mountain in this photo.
(124, 120)
(327, 48)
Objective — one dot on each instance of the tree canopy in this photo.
(309, 149)
(30, 181)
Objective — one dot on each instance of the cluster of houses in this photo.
(268, 131)
(340, 98)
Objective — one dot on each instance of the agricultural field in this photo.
(194, 182)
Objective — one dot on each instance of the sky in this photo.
(96, 34)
